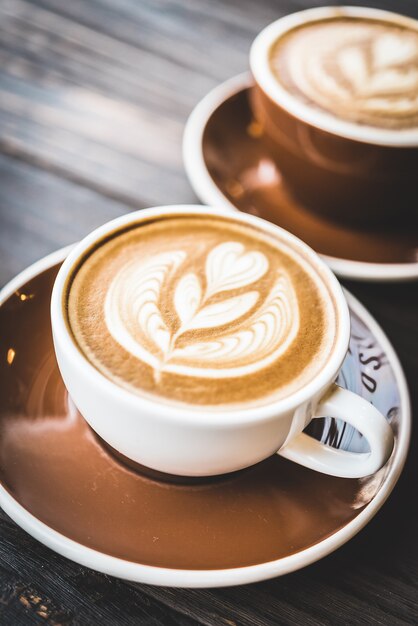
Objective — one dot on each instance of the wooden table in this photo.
(94, 96)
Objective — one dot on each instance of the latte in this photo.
(201, 310)
(358, 69)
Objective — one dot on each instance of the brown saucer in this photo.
(228, 165)
(54, 465)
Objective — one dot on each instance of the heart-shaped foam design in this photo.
(390, 50)
(229, 267)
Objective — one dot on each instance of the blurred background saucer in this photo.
(228, 166)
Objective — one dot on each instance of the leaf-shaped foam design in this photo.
(187, 297)
(262, 330)
(259, 341)
(132, 305)
(366, 74)
(380, 74)
(228, 267)
(390, 81)
(353, 66)
(223, 312)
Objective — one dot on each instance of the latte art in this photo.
(358, 69)
(203, 311)
(258, 331)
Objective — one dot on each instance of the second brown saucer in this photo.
(228, 166)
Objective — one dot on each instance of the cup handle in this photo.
(358, 412)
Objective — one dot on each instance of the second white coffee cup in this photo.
(192, 441)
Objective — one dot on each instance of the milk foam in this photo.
(202, 311)
(360, 70)
(261, 329)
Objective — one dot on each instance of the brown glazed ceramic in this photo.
(346, 180)
(239, 163)
(53, 464)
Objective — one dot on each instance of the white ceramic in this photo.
(192, 441)
(394, 384)
(209, 193)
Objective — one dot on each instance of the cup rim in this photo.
(182, 411)
(323, 120)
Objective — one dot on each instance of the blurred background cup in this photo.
(348, 171)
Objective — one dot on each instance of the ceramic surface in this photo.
(194, 440)
(66, 488)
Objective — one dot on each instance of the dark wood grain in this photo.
(93, 100)
(38, 586)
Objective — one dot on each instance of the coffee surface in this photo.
(202, 311)
(358, 69)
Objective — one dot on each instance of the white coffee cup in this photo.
(192, 441)
(350, 172)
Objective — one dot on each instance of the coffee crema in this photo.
(358, 69)
(203, 311)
